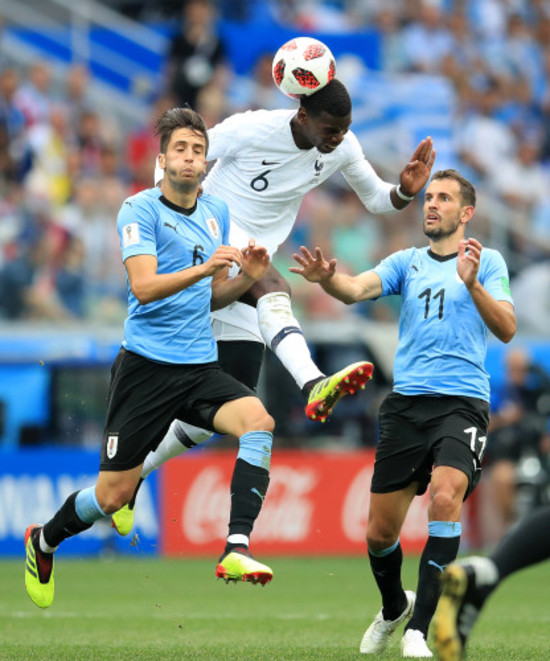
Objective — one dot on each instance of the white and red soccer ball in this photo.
(302, 67)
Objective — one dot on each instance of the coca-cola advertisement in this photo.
(317, 504)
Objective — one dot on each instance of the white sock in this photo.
(172, 445)
(44, 546)
(282, 333)
(240, 539)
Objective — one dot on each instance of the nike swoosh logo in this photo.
(271, 162)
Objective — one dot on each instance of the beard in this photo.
(181, 186)
(440, 232)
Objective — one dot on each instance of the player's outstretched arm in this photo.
(255, 262)
(346, 288)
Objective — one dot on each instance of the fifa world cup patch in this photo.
(213, 227)
(112, 445)
(130, 235)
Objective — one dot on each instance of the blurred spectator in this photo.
(522, 184)
(196, 54)
(531, 291)
(70, 280)
(50, 142)
(518, 427)
(15, 153)
(427, 40)
(393, 56)
(91, 219)
(485, 142)
(89, 142)
(142, 147)
(258, 91)
(34, 96)
(76, 97)
(28, 281)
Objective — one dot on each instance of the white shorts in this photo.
(238, 321)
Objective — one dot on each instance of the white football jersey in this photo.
(263, 176)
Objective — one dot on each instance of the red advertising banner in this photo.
(317, 504)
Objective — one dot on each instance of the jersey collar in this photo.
(176, 207)
(442, 258)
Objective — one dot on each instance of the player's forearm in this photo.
(163, 285)
(500, 319)
(227, 291)
(343, 287)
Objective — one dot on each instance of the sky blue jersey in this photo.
(442, 337)
(175, 329)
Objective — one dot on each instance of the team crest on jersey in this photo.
(112, 445)
(213, 227)
(130, 235)
(319, 165)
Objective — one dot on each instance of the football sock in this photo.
(249, 482)
(283, 335)
(69, 519)
(248, 489)
(527, 543)
(441, 549)
(386, 568)
(179, 438)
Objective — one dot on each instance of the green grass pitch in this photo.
(315, 608)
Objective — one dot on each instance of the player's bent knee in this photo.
(113, 499)
(381, 537)
(444, 505)
(259, 421)
(380, 540)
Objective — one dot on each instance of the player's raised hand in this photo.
(469, 254)
(314, 268)
(416, 173)
(255, 261)
(223, 257)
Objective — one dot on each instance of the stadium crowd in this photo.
(65, 166)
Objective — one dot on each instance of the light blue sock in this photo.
(255, 448)
(87, 507)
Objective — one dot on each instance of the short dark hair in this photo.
(179, 118)
(467, 190)
(333, 99)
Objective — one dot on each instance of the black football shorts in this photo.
(419, 432)
(145, 396)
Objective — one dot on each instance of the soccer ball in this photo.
(303, 66)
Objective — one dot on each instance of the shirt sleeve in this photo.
(373, 191)
(136, 224)
(224, 219)
(495, 278)
(390, 271)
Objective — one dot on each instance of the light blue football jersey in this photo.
(175, 329)
(442, 337)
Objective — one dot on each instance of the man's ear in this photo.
(161, 160)
(302, 115)
(467, 213)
